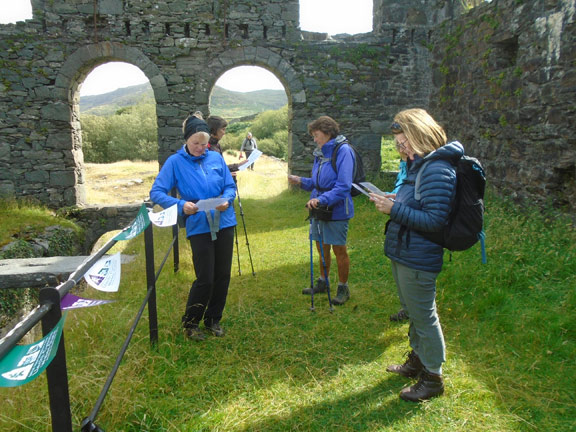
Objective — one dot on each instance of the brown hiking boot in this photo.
(411, 367)
(429, 385)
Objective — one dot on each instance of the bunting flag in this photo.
(104, 275)
(25, 362)
(140, 224)
(164, 218)
(70, 301)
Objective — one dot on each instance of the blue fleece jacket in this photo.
(403, 242)
(196, 178)
(331, 187)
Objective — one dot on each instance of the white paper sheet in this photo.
(210, 203)
(253, 156)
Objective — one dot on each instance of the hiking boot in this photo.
(402, 315)
(342, 295)
(429, 385)
(319, 287)
(411, 367)
(216, 330)
(195, 333)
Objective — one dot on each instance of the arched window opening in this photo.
(253, 99)
(336, 16)
(119, 134)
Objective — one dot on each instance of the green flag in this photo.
(26, 362)
(140, 224)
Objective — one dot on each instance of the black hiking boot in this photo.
(429, 385)
(411, 367)
(195, 333)
(342, 296)
(402, 315)
(319, 287)
(216, 329)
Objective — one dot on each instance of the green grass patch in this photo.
(509, 324)
(389, 155)
(22, 219)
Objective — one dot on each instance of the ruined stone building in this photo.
(500, 77)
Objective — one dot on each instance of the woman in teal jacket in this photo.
(197, 175)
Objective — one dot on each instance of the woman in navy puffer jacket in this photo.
(416, 261)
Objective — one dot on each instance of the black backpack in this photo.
(466, 219)
(358, 174)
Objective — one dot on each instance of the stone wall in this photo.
(501, 78)
(183, 47)
(505, 86)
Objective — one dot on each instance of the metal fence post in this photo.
(56, 371)
(175, 229)
(151, 284)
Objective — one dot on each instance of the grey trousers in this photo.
(417, 293)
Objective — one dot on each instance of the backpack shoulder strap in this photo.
(419, 180)
(335, 154)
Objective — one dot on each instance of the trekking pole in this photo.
(311, 270)
(324, 266)
(244, 225)
(237, 250)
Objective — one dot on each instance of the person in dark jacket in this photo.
(330, 188)
(217, 126)
(197, 175)
(416, 261)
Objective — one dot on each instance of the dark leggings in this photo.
(212, 265)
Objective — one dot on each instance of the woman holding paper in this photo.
(206, 193)
(415, 260)
(330, 190)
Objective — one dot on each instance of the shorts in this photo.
(333, 232)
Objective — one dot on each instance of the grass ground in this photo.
(510, 330)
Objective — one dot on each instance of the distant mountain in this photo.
(109, 103)
(228, 104)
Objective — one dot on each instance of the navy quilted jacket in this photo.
(408, 216)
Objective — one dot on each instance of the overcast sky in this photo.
(325, 16)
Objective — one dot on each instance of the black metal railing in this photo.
(49, 313)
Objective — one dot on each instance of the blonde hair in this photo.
(203, 134)
(422, 131)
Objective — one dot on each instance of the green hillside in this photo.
(228, 104)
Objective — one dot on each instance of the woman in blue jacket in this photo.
(416, 261)
(330, 188)
(197, 175)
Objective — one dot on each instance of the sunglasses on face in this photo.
(396, 128)
(401, 146)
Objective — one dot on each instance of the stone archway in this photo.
(73, 72)
(266, 59)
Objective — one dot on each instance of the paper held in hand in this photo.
(253, 156)
(366, 188)
(210, 203)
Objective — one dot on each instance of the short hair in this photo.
(422, 131)
(215, 123)
(325, 124)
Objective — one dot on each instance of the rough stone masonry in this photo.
(500, 78)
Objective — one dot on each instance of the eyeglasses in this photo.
(396, 128)
(402, 145)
